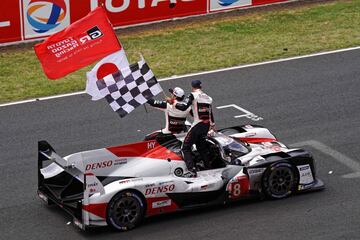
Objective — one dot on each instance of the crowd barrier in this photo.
(27, 20)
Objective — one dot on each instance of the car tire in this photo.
(279, 181)
(125, 211)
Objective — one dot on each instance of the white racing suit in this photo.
(175, 119)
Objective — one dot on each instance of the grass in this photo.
(218, 42)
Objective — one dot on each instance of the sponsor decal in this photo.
(120, 161)
(160, 189)
(100, 165)
(124, 181)
(151, 145)
(224, 4)
(305, 173)
(136, 179)
(304, 168)
(304, 186)
(159, 205)
(238, 187)
(141, 4)
(92, 185)
(255, 171)
(227, 2)
(165, 182)
(45, 17)
(163, 203)
(250, 135)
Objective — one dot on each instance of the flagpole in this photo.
(145, 108)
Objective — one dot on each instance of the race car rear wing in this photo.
(65, 185)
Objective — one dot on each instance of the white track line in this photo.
(338, 156)
(196, 74)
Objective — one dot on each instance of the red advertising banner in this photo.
(10, 25)
(78, 45)
(34, 19)
(128, 12)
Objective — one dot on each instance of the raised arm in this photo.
(157, 103)
(184, 105)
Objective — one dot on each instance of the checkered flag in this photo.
(129, 88)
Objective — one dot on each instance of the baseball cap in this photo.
(178, 92)
(196, 83)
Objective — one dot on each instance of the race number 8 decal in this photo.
(235, 190)
(239, 188)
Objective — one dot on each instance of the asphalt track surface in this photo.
(310, 100)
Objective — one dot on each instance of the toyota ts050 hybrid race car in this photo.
(119, 186)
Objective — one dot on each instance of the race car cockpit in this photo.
(228, 148)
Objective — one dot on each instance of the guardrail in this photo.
(29, 20)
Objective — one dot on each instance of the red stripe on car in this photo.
(257, 140)
(160, 205)
(146, 149)
(98, 209)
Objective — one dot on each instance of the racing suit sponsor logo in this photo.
(94, 166)
(176, 124)
(160, 189)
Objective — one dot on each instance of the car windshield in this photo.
(231, 148)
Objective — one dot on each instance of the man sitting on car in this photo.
(175, 118)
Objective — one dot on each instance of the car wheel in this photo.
(125, 211)
(279, 181)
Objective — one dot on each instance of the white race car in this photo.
(119, 186)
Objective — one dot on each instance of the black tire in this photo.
(279, 181)
(125, 211)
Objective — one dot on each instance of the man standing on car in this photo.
(201, 108)
(175, 119)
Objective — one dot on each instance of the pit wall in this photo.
(28, 20)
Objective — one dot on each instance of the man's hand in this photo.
(169, 100)
(211, 133)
